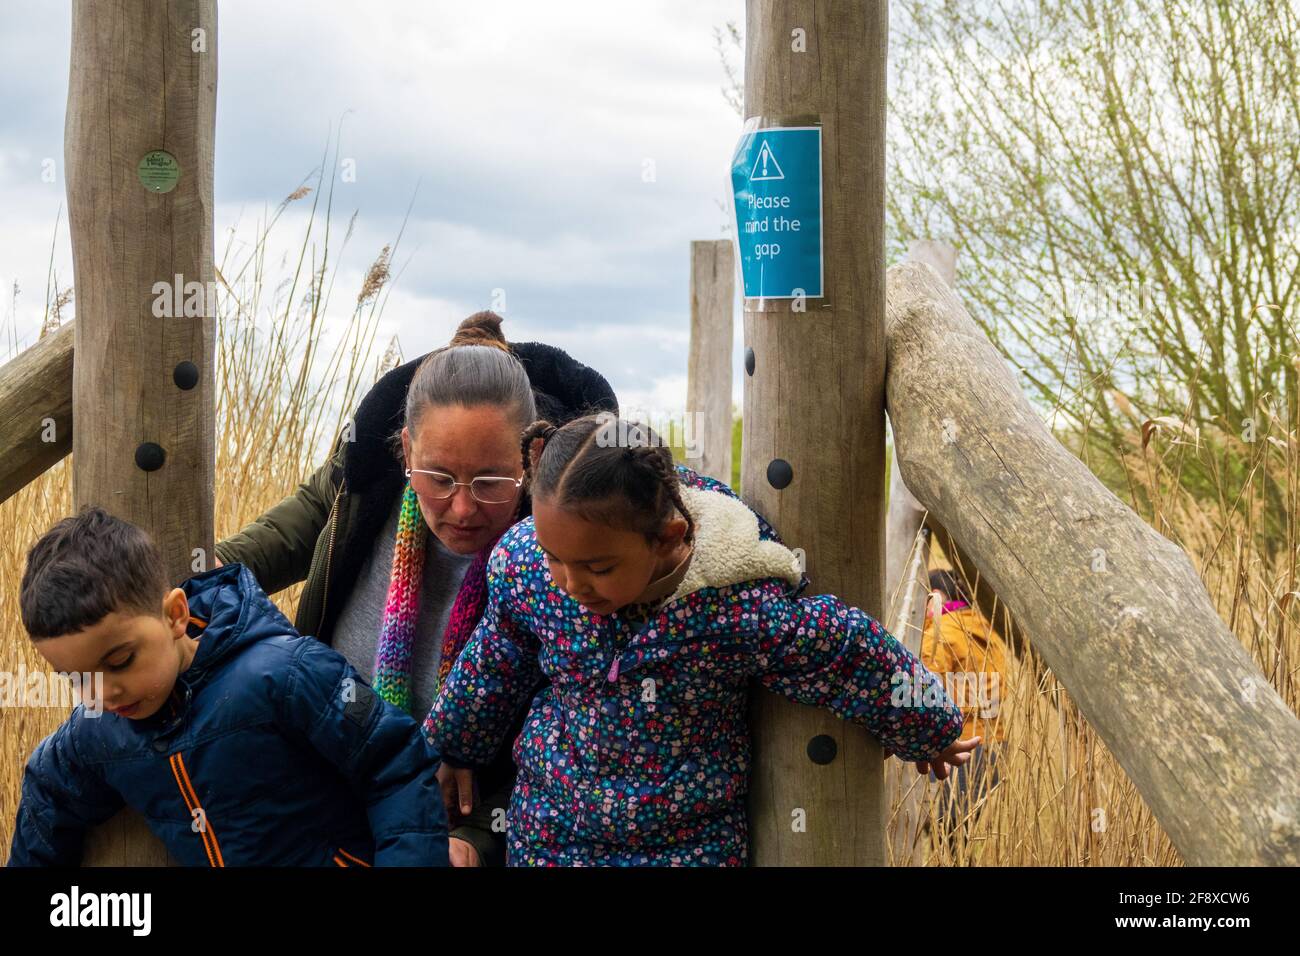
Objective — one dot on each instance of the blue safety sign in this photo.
(776, 182)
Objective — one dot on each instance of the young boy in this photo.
(240, 741)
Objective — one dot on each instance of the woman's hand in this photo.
(956, 755)
(462, 853)
(457, 789)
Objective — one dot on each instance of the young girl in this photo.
(650, 597)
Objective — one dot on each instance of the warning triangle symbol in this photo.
(765, 164)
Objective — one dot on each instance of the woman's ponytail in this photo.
(481, 328)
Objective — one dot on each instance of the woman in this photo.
(392, 533)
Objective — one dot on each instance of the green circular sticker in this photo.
(158, 171)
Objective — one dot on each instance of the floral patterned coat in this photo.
(637, 753)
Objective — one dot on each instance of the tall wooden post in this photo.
(815, 399)
(708, 376)
(138, 155)
(907, 586)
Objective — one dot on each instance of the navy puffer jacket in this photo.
(272, 752)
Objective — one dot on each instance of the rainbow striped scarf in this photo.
(392, 680)
(392, 673)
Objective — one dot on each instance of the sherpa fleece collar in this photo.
(728, 549)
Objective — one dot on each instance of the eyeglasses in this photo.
(485, 489)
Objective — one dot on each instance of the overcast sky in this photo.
(526, 127)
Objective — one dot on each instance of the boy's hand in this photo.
(457, 789)
(956, 754)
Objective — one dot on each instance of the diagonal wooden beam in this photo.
(1117, 610)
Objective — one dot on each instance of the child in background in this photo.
(240, 742)
(650, 597)
(966, 653)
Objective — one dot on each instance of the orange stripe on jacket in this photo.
(192, 802)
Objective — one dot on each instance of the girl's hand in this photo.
(957, 754)
(462, 853)
(457, 789)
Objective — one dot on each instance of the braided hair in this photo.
(606, 470)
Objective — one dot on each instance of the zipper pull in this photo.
(613, 670)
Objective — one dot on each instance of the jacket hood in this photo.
(728, 546)
(233, 612)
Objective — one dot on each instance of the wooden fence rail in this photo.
(1118, 611)
(35, 410)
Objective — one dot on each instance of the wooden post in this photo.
(138, 154)
(907, 544)
(1118, 611)
(904, 789)
(906, 581)
(815, 399)
(941, 256)
(708, 376)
